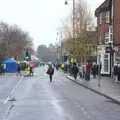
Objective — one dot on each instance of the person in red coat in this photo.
(88, 69)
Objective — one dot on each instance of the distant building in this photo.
(108, 22)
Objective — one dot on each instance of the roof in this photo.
(9, 61)
(106, 5)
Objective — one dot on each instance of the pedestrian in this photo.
(18, 69)
(115, 70)
(62, 66)
(0, 68)
(57, 66)
(83, 70)
(75, 70)
(3, 68)
(80, 72)
(27, 70)
(94, 69)
(88, 69)
(31, 70)
(50, 72)
(118, 72)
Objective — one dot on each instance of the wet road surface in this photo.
(38, 99)
(7, 84)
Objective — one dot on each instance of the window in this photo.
(110, 33)
(107, 17)
(106, 37)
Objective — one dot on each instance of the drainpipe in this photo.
(113, 38)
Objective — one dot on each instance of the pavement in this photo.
(104, 86)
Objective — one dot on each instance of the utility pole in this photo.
(73, 25)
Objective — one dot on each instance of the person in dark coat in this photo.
(115, 70)
(18, 69)
(118, 72)
(75, 70)
(0, 68)
(94, 70)
(88, 70)
(50, 72)
(31, 70)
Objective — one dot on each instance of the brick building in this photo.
(108, 22)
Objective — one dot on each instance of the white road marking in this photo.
(13, 90)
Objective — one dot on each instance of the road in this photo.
(7, 85)
(38, 99)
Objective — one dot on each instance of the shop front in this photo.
(104, 60)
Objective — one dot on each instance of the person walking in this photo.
(57, 67)
(0, 69)
(115, 72)
(118, 72)
(18, 70)
(88, 69)
(27, 70)
(50, 72)
(62, 66)
(75, 70)
(94, 69)
(80, 71)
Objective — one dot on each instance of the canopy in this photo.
(10, 66)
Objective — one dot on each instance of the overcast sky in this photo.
(40, 18)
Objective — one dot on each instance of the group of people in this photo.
(28, 70)
(84, 71)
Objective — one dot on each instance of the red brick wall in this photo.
(102, 29)
(117, 21)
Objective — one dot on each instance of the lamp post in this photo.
(73, 19)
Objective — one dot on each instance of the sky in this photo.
(41, 18)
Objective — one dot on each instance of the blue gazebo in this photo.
(10, 66)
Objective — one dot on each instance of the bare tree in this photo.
(85, 42)
(13, 40)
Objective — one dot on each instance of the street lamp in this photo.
(66, 2)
